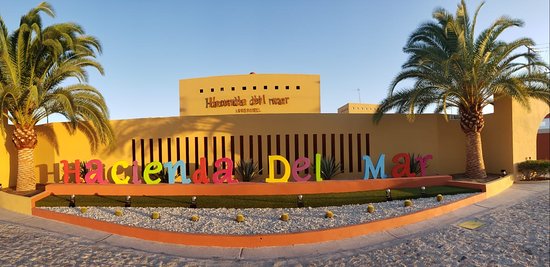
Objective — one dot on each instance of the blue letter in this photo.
(375, 171)
(172, 172)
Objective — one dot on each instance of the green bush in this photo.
(247, 170)
(329, 168)
(83, 169)
(531, 169)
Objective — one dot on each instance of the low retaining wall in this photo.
(20, 204)
(265, 240)
(243, 189)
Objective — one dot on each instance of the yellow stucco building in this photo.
(252, 93)
(211, 126)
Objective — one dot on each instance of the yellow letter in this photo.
(152, 168)
(114, 172)
(286, 175)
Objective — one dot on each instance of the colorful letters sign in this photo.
(224, 171)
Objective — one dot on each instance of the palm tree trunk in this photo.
(25, 141)
(475, 167)
(25, 170)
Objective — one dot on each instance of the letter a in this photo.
(402, 169)
(224, 173)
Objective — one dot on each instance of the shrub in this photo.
(247, 170)
(329, 214)
(83, 169)
(439, 197)
(195, 218)
(329, 168)
(155, 215)
(285, 217)
(240, 218)
(83, 210)
(531, 169)
(370, 208)
(118, 213)
(408, 203)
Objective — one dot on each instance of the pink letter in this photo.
(423, 163)
(97, 173)
(297, 168)
(226, 173)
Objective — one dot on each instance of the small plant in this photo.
(155, 215)
(83, 169)
(329, 214)
(285, 217)
(83, 210)
(531, 169)
(247, 170)
(118, 213)
(329, 168)
(439, 197)
(240, 218)
(370, 208)
(414, 164)
(195, 218)
(408, 203)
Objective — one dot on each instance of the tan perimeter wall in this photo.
(347, 137)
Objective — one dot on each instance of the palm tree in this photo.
(450, 66)
(37, 66)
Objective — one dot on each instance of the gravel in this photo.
(257, 221)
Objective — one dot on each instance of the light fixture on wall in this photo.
(300, 201)
(72, 202)
(503, 172)
(128, 202)
(193, 202)
(388, 195)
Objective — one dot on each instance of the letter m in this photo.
(377, 171)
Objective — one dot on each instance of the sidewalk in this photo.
(517, 193)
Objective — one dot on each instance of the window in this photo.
(254, 87)
(221, 89)
(232, 88)
(265, 87)
(276, 87)
(297, 87)
(244, 88)
(287, 87)
(212, 90)
(201, 90)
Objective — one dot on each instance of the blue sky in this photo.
(148, 46)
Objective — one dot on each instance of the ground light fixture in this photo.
(128, 202)
(72, 202)
(503, 172)
(388, 195)
(423, 191)
(193, 202)
(300, 201)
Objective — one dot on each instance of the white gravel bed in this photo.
(257, 220)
